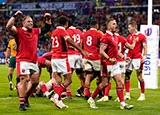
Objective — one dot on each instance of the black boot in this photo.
(22, 107)
(27, 102)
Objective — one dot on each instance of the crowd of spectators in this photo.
(81, 21)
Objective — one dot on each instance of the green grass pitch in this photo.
(9, 102)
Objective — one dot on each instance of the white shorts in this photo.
(60, 66)
(96, 65)
(25, 68)
(122, 66)
(113, 70)
(75, 61)
(134, 64)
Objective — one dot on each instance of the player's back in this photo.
(91, 42)
(76, 36)
(59, 45)
(121, 44)
(13, 47)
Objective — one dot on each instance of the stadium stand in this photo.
(81, 14)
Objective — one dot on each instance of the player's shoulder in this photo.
(130, 35)
(140, 34)
(122, 38)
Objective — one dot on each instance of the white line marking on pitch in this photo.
(8, 98)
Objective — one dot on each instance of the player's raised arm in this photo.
(10, 25)
(47, 25)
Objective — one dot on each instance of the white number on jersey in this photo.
(77, 38)
(89, 41)
(55, 42)
(120, 46)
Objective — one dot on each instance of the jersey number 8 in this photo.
(89, 41)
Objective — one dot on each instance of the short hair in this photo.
(28, 16)
(109, 20)
(62, 20)
(132, 23)
(93, 22)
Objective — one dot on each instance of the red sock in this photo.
(98, 89)
(60, 89)
(127, 85)
(123, 86)
(142, 84)
(55, 87)
(120, 93)
(22, 99)
(69, 93)
(44, 88)
(107, 89)
(87, 92)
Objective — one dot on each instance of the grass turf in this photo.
(9, 102)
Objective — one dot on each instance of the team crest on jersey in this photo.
(137, 38)
(23, 70)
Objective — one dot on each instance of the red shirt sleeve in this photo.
(105, 40)
(144, 39)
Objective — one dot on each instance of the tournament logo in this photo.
(148, 31)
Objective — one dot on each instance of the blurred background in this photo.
(78, 11)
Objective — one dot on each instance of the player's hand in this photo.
(47, 16)
(85, 53)
(19, 13)
(127, 59)
(7, 62)
(112, 60)
(135, 39)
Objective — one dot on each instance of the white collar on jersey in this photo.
(72, 27)
(93, 29)
(109, 32)
(136, 33)
(61, 27)
(25, 29)
(116, 34)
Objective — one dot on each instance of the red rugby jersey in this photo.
(27, 44)
(112, 48)
(59, 44)
(137, 51)
(76, 36)
(91, 44)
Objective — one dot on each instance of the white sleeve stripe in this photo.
(104, 44)
(144, 43)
